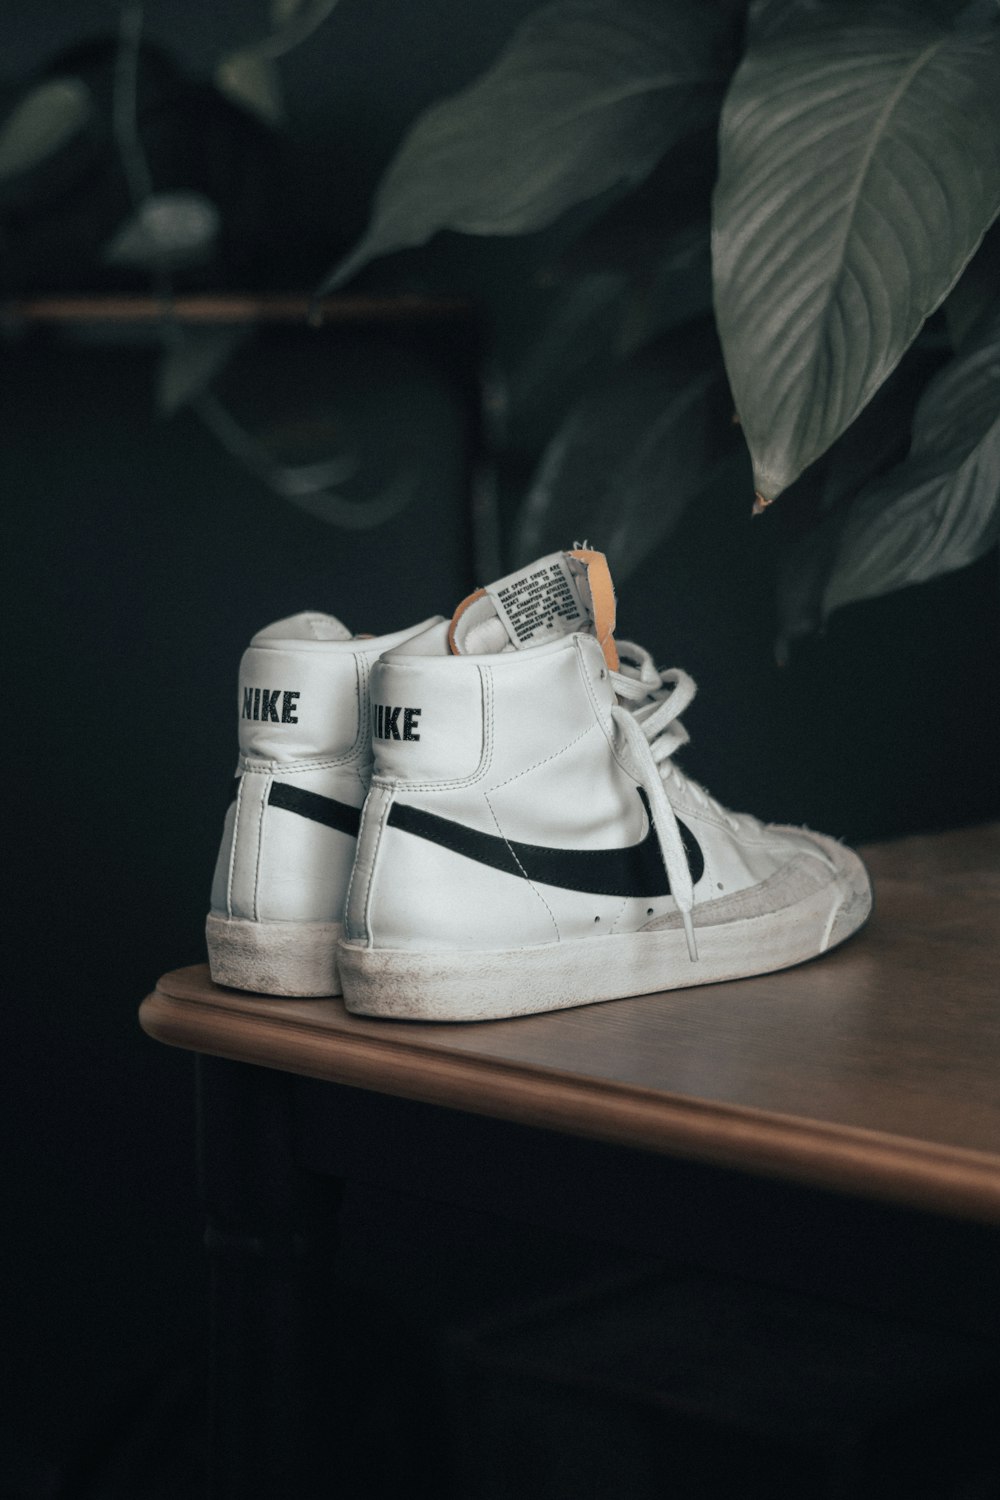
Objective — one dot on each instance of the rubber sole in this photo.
(469, 985)
(274, 958)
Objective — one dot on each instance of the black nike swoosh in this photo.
(320, 809)
(325, 810)
(636, 870)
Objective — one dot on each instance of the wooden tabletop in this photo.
(874, 1070)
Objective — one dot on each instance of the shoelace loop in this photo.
(648, 714)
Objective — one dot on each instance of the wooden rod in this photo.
(234, 308)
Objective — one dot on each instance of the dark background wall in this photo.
(141, 558)
(144, 561)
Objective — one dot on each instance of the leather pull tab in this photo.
(603, 609)
(469, 599)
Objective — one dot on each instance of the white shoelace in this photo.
(648, 713)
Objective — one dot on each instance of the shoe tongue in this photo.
(551, 597)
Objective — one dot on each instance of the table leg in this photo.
(270, 1236)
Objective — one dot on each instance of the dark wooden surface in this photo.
(873, 1070)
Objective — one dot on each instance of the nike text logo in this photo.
(262, 703)
(636, 870)
(386, 725)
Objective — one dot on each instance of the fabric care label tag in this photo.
(544, 600)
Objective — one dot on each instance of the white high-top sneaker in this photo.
(530, 843)
(290, 834)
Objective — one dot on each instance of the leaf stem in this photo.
(125, 108)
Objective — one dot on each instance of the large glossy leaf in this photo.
(587, 95)
(803, 572)
(44, 120)
(868, 449)
(859, 170)
(629, 459)
(940, 509)
(573, 340)
(678, 290)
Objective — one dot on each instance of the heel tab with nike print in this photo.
(290, 832)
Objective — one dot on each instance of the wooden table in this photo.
(870, 1077)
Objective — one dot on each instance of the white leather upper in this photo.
(520, 745)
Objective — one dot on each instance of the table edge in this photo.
(953, 1180)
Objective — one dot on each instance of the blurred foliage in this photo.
(840, 199)
(779, 209)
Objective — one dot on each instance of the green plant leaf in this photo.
(629, 459)
(678, 290)
(295, 22)
(859, 170)
(192, 360)
(803, 573)
(282, 11)
(249, 76)
(876, 440)
(254, 83)
(586, 97)
(307, 485)
(572, 339)
(43, 121)
(638, 228)
(939, 509)
(169, 228)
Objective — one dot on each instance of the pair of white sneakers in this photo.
(483, 818)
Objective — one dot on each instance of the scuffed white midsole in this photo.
(274, 958)
(470, 985)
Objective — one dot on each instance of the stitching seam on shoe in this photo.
(260, 846)
(361, 690)
(621, 912)
(326, 764)
(232, 850)
(354, 872)
(523, 871)
(545, 759)
(380, 835)
(607, 728)
(603, 718)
